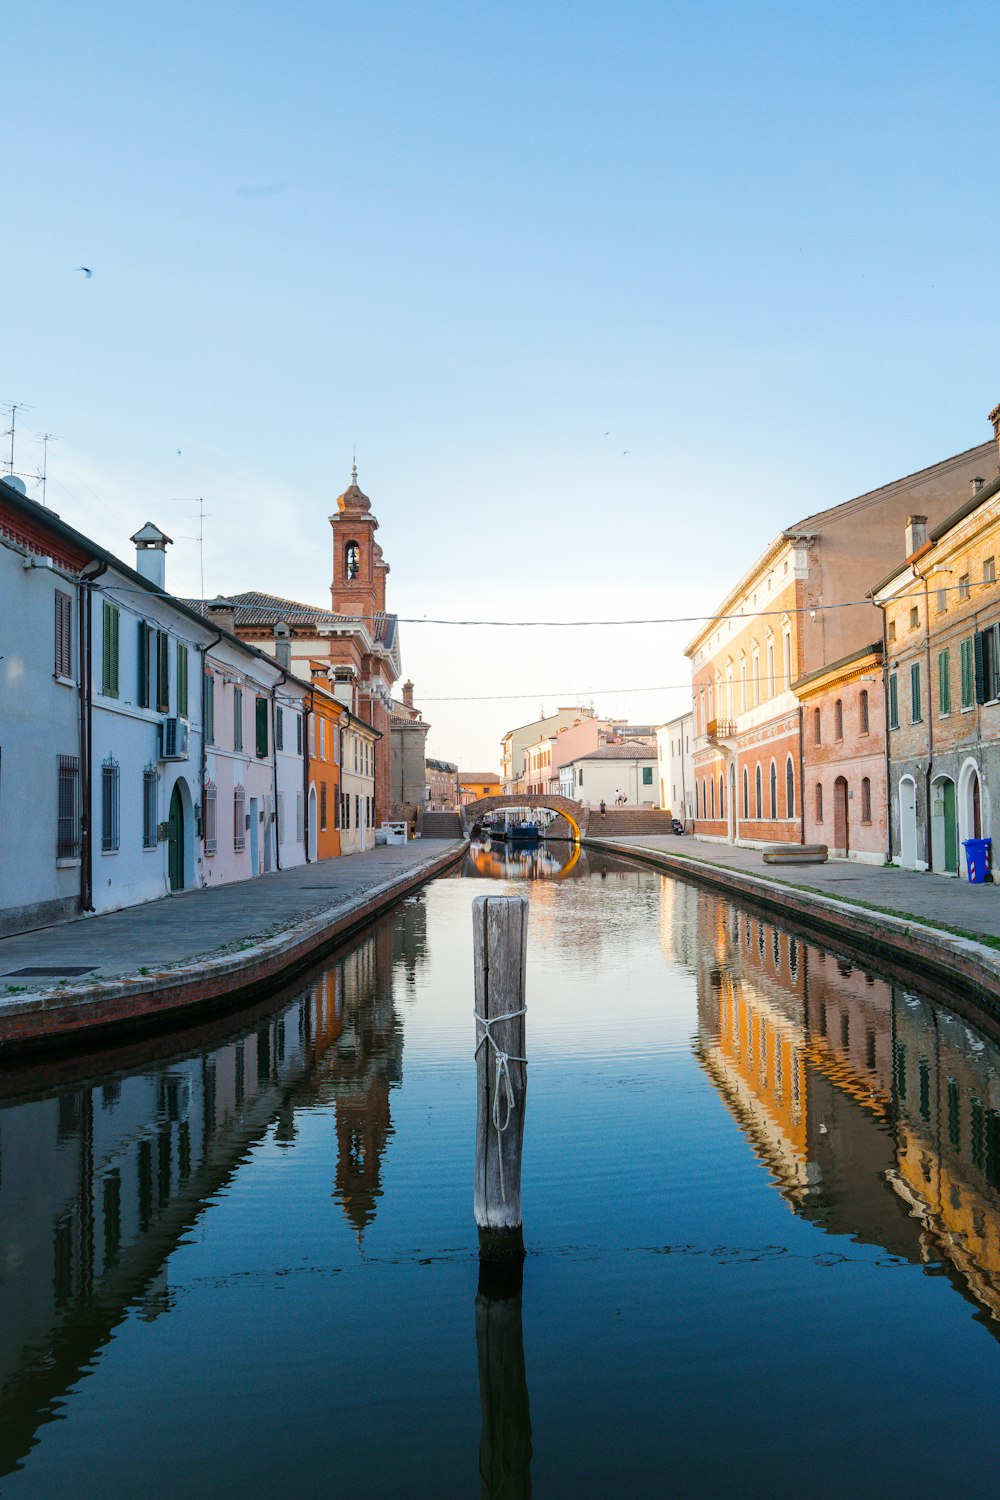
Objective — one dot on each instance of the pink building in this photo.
(843, 751)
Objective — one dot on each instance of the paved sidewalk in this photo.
(196, 924)
(937, 900)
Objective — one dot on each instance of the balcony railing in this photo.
(721, 729)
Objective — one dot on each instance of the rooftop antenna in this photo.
(45, 438)
(198, 500)
(13, 407)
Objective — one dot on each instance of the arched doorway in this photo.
(908, 823)
(312, 823)
(175, 840)
(841, 821)
(972, 807)
(944, 826)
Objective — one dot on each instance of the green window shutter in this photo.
(162, 671)
(944, 683)
(968, 673)
(109, 653)
(279, 729)
(647, 776)
(208, 708)
(916, 707)
(262, 728)
(182, 680)
(893, 701)
(979, 656)
(143, 664)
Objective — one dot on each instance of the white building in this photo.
(357, 784)
(628, 769)
(675, 766)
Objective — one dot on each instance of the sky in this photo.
(601, 295)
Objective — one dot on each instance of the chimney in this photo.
(408, 693)
(916, 533)
(283, 646)
(977, 483)
(994, 417)
(222, 613)
(151, 553)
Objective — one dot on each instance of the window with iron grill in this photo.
(239, 818)
(298, 734)
(110, 805)
(322, 806)
(208, 708)
(68, 825)
(279, 728)
(63, 634)
(149, 819)
(211, 813)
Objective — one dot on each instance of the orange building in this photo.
(323, 766)
(475, 784)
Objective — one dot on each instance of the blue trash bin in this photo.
(977, 859)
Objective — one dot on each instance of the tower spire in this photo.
(354, 467)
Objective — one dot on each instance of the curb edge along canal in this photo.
(175, 995)
(903, 947)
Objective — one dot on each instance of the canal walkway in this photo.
(198, 946)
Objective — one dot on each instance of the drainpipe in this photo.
(87, 581)
(930, 723)
(274, 764)
(802, 784)
(885, 721)
(305, 774)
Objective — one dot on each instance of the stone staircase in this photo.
(440, 825)
(617, 823)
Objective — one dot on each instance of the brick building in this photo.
(843, 750)
(942, 667)
(801, 608)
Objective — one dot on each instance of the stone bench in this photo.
(796, 854)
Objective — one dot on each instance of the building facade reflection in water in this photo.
(99, 1182)
(877, 1111)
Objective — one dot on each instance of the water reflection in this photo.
(495, 860)
(102, 1181)
(876, 1111)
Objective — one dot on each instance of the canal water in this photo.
(760, 1202)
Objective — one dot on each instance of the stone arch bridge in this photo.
(576, 815)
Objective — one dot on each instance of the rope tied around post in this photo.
(501, 1080)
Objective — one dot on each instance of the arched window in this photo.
(819, 802)
(352, 560)
(817, 727)
(866, 800)
(838, 720)
(774, 791)
(759, 800)
(864, 710)
(755, 671)
(713, 797)
(744, 700)
(722, 796)
(770, 665)
(746, 792)
(789, 788)
(787, 645)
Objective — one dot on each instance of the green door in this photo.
(175, 841)
(950, 829)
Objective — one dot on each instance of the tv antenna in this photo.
(45, 438)
(12, 408)
(200, 538)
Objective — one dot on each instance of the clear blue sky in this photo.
(754, 244)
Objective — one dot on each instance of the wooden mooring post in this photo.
(500, 938)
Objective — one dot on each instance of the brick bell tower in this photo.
(371, 647)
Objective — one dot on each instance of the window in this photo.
(211, 814)
(963, 586)
(942, 601)
(787, 641)
(352, 560)
(110, 806)
(770, 667)
(300, 815)
(239, 818)
(914, 617)
(208, 707)
(755, 672)
(713, 797)
(146, 636)
(817, 727)
(162, 672)
(916, 707)
(944, 682)
(322, 806)
(838, 720)
(866, 800)
(345, 810)
(989, 571)
(968, 665)
(773, 788)
(298, 734)
(279, 729)
(337, 801)
(819, 802)
(322, 739)
(789, 788)
(279, 817)
(68, 824)
(893, 701)
(261, 725)
(759, 797)
(746, 792)
(238, 719)
(182, 680)
(149, 782)
(580, 776)
(647, 776)
(891, 630)
(357, 811)
(986, 656)
(863, 704)
(63, 666)
(110, 626)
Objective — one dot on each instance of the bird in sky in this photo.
(626, 453)
(86, 271)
